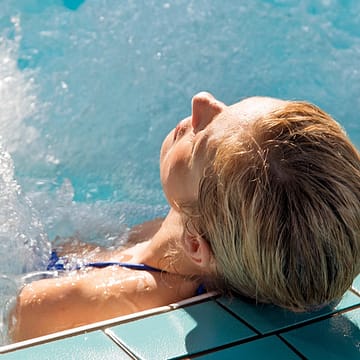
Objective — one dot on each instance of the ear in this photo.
(204, 108)
(199, 251)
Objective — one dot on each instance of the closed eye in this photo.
(179, 131)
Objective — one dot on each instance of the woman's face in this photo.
(185, 152)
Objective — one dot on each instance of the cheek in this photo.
(173, 168)
(177, 179)
(173, 156)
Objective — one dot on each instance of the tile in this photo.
(258, 349)
(94, 345)
(267, 318)
(335, 338)
(181, 332)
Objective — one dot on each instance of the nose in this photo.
(204, 108)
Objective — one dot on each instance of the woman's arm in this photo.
(52, 305)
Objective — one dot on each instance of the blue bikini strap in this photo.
(104, 264)
(57, 263)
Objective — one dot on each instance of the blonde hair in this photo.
(280, 207)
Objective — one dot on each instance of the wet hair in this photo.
(280, 207)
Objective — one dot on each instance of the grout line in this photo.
(239, 318)
(218, 348)
(122, 346)
(291, 347)
(237, 343)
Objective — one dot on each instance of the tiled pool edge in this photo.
(103, 325)
(207, 327)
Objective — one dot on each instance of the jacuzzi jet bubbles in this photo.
(22, 237)
(23, 242)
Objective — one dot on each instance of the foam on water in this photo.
(18, 99)
(22, 237)
(23, 242)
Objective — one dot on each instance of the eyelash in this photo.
(179, 131)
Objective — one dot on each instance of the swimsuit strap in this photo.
(58, 263)
(133, 266)
(199, 291)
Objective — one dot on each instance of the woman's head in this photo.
(279, 202)
(189, 147)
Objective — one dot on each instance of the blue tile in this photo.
(335, 338)
(258, 349)
(181, 332)
(94, 345)
(267, 318)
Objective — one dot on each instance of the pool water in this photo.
(90, 88)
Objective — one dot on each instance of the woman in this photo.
(265, 202)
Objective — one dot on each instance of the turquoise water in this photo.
(90, 88)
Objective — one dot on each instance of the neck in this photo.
(164, 249)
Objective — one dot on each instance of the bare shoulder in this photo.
(51, 305)
(46, 306)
